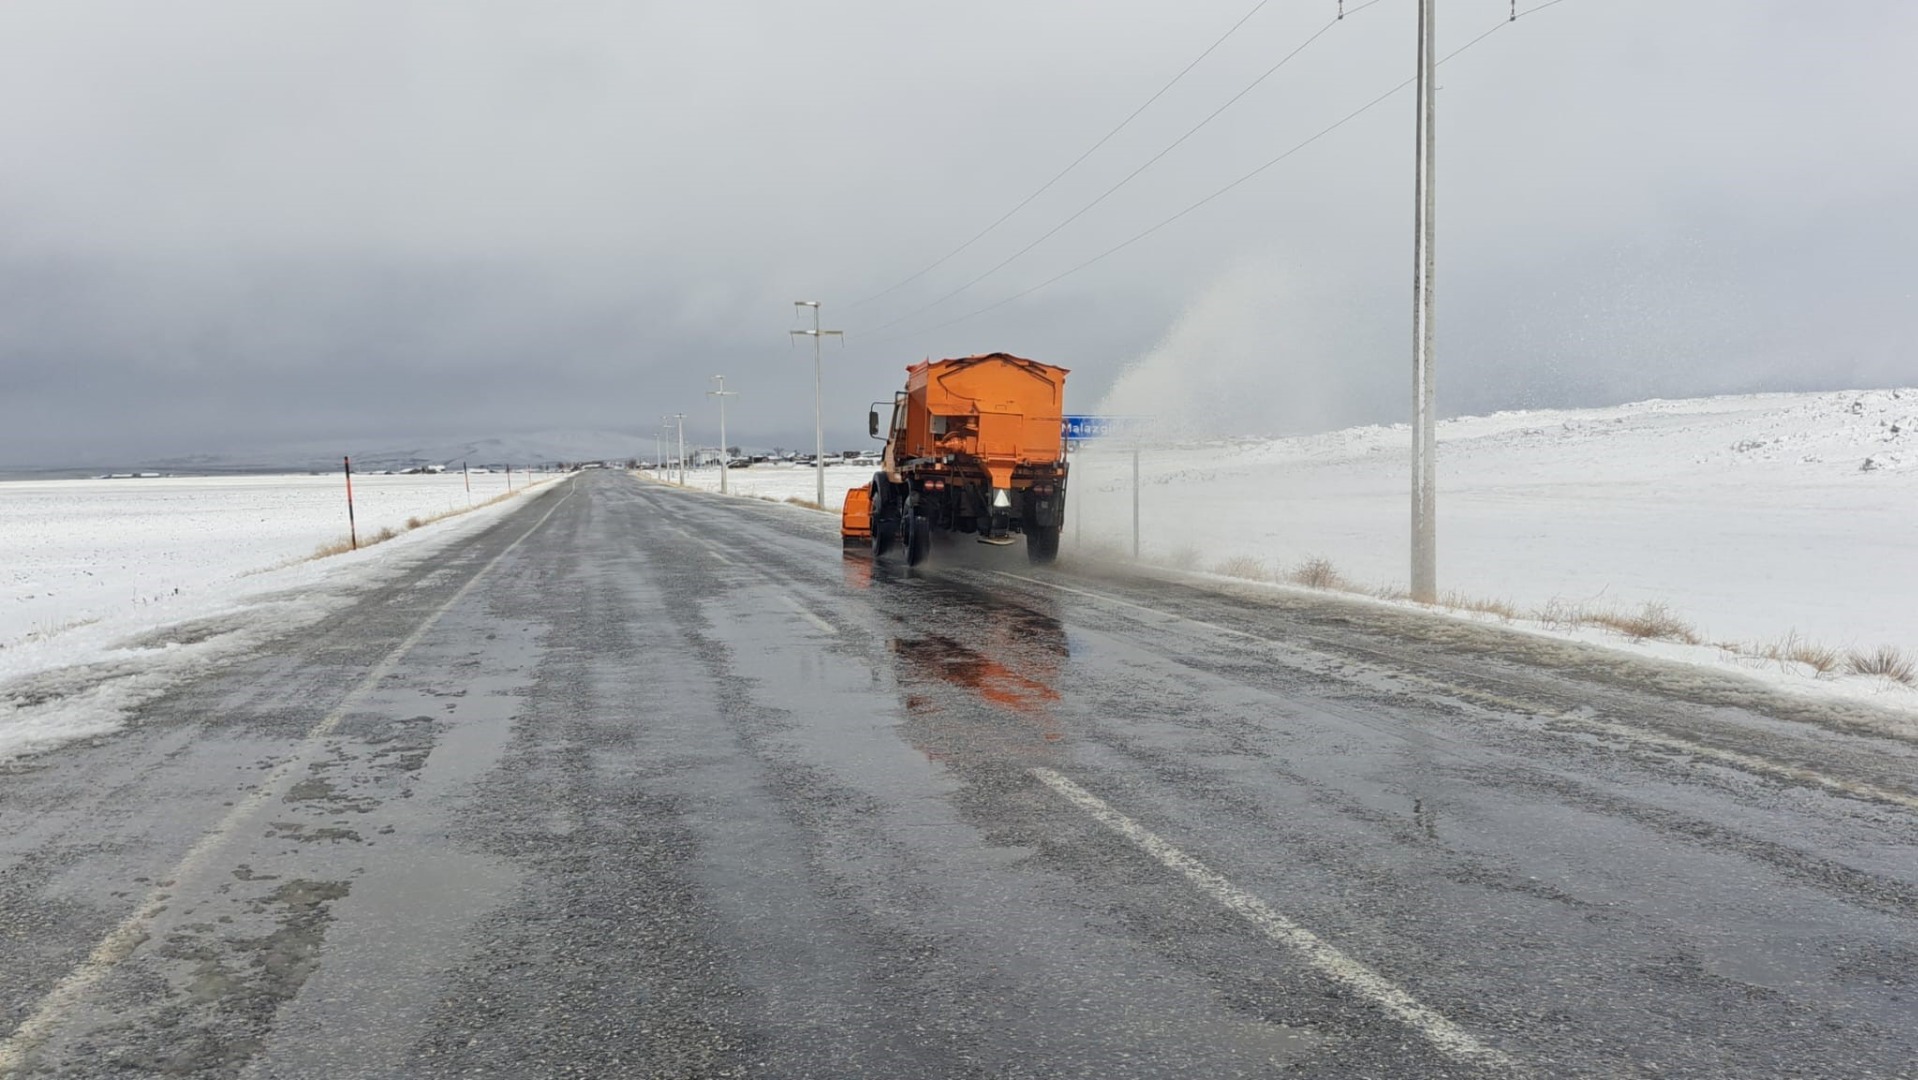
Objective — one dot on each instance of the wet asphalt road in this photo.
(643, 783)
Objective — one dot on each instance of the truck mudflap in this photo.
(855, 518)
(1046, 509)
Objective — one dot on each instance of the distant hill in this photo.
(532, 448)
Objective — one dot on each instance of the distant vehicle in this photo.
(975, 445)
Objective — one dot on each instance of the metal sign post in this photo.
(1135, 501)
(1080, 428)
(352, 529)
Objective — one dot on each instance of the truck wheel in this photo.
(918, 539)
(885, 516)
(1042, 544)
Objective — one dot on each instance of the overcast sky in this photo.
(235, 224)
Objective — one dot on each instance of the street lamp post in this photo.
(818, 426)
(722, 394)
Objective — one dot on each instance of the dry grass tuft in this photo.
(1654, 620)
(1458, 601)
(1560, 614)
(1389, 592)
(1793, 649)
(338, 547)
(1317, 573)
(807, 503)
(1887, 660)
(345, 543)
(1243, 566)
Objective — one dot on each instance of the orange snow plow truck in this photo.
(975, 445)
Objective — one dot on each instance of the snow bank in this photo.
(95, 572)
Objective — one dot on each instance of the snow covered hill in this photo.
(525, 448)
(1752, 516)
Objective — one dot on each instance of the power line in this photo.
(1129, 177)
(1043, 188)
(1322, 133)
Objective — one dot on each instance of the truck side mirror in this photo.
(872, 423)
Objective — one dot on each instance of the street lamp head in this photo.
(805, 303)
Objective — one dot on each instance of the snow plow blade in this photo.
(855, 520)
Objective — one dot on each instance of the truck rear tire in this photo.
(918, 539)
(1042, 544)
(885, 516)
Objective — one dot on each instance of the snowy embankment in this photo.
(95, 573)
(1757, 520)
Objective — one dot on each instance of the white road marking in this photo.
(1327, 958)
(126, 937)
(807, 615)
(723, 559)
(1749, 762)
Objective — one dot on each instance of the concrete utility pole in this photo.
(818, 427)
(1424, 420)
(722, 394)
(679, 421)
(659, 453)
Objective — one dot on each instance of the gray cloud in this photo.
(228, 224)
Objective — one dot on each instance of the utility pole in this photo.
(659, 453)
(679, 420)
(818, 427)
(722, 394)
(1424, 420)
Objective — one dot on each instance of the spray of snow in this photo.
(1263, 349)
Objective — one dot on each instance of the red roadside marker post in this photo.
(352, 530)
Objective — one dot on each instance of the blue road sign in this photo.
(1091, 427)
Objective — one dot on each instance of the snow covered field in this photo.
(1752, 517)
(93, 569)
